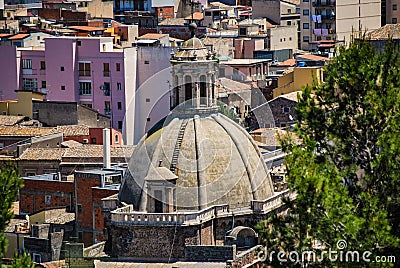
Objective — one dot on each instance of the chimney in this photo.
(106, 148)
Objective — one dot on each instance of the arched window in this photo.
(176, 91)
(203, 90)
(188, 88)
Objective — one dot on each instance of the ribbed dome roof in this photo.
(216, 160)
(193, 42)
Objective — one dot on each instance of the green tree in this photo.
(346, 172)
(10, 183)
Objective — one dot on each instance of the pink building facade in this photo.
(87, 70)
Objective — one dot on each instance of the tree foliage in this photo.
(10, 183)
(346, 172)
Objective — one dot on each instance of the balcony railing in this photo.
(84, 73)
(29, 71)
(106, 73)
(107, 111)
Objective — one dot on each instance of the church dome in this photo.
(193, 42)
(214, 159)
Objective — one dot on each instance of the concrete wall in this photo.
(267, 8)
(284, 37)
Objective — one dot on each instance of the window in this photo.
(119, 87)
(62, 87)
(289, 11)
(118, 67)
(119, 124)
(148, 119)
(42, 65)
(36, 257)
(107, 89)
(221, 72)
(84, 69)
(79, 43)
(306, 26)
(106, 69)
(47, 199)
(107, 108)
(43, 83)
(29, 84)
(146, 62)
(94, 141)
(306, 1)
(85, 88)
(80, 208)
(306, 38)
(116, 138)
(119, 105)
(242, 31)
(288, 23)
(394, 7)
(394, 20)
(147, 100)
(62, 68)
(26, 64)
(306, 12)
(290, 39)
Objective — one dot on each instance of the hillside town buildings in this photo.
(148, 130)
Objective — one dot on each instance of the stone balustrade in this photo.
(128, 216)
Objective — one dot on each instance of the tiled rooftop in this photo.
(73, 130)
(25, 131)
(152, 36)
(43, 154)
(10, 120)
(389, 30)
(84, 151)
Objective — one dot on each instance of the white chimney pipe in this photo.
(106, 148)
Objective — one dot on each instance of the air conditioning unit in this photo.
(85, 141)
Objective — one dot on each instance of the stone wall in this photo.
(210, 253)
(152, 242)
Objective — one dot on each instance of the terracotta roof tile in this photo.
(313, 57)
(152, 36)
(73, 130)
(389, 30)
(18, 36)
(10, 120)
(86, 28)
(25, 131)
(43, 154)
(289, 62)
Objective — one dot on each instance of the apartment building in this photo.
(91, 72)
(392, 8)
(337, 19)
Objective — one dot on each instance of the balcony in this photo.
(328, 17)
(324, 4)
(106, 73)
(84, 73)
(107, 111)
(29, 71)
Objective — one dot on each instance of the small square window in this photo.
(94, 141)
(62, 87)
(306, 1)
(62, 68)
(306, 38)
(146, 62)
(147, 100)
(79, 43)
(306, 12)
(288, 23)
(148, 119)
(394, 20)
(306, 26)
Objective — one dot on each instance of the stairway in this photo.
(178, 143)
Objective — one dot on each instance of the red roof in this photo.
(313, 57)
(152, 36)
(4, 35)
(86, 28)
(18, 37)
